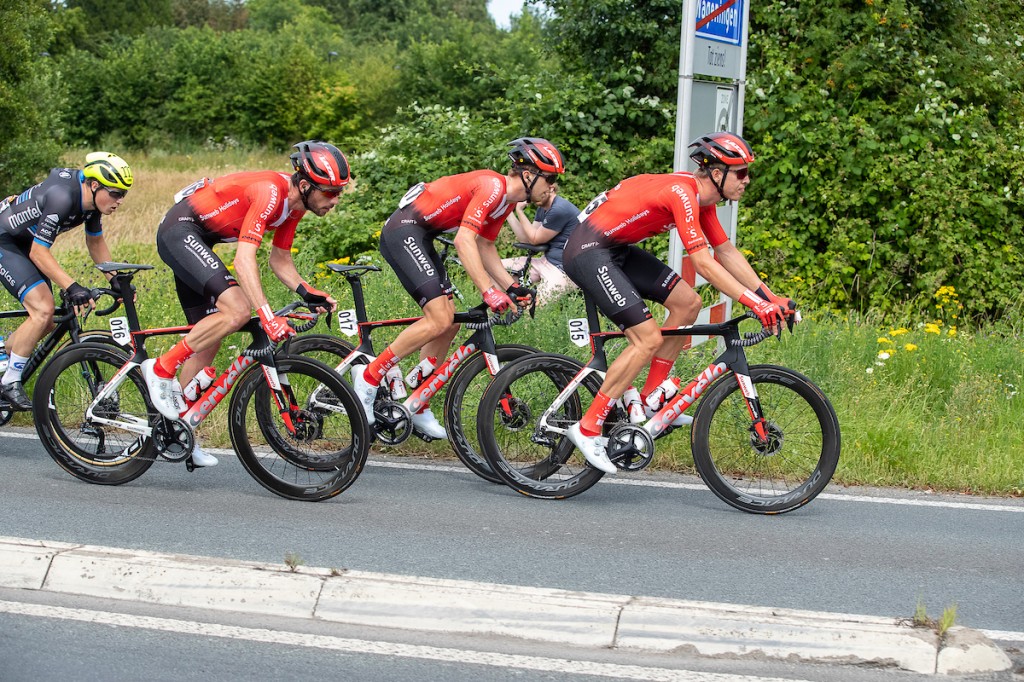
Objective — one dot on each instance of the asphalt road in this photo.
(850, 551)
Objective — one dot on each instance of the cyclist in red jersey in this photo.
(243, 208)
(600, 257)
(474, 205)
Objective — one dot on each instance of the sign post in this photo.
(713, 43)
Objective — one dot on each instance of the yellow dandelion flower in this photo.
(951, 332)
(932, 328)
(748, 253)
(294, 250)
(796, 278)
(897, 332)
(909, 346)
(882, 339)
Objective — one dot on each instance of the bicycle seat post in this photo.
(357, 295)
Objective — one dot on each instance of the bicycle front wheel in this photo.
(98, 453)
(313, 449)
(769, 475)
(529, 458)
(461, 403)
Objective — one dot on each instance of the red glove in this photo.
(497, 300)
(277, 328)
(769, 313)
(787, 305)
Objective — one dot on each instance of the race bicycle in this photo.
(465, 372)
(764, 438)
(67, 324)
(296, 426)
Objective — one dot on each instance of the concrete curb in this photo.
(456, 606)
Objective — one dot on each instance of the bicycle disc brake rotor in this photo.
(630, 447)
(515, 413)
(770, 446)
(309, 426)
(393, 422)
(174, 441)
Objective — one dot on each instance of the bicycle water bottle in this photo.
(635, 409)
(395, 384)
(199, 383)
(4, 358)
(662, 394)
(420, 372)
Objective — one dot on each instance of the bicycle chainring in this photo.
(174, 441)
(630, 447)
(393, 423)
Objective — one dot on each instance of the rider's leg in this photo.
(683, 305)
(233, 311)
(38, 301)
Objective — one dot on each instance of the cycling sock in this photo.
(14, 369)
(660, 367)
(376, 370)
(167, 364)
(592, 421)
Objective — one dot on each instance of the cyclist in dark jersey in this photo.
(240, 207)
(601, 258)
(29, 224)
(474, 205)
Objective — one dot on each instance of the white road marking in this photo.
(357, 646)
(906, 502)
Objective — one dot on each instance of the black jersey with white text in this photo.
(44, 211)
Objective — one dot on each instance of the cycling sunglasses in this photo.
(742, 173)
(116, 194)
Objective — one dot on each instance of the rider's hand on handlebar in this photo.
(277, 328)
(520, 295)
(79, 297)
(767, 312)
(318, 301)
(786, 305)
(497, 300)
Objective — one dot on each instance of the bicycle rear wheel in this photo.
(774, 475)
(97, 453)
(312, 451)
(532, 460)
(461, 403)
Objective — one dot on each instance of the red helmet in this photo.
(322, 164)
(727, 148)
(537, 152)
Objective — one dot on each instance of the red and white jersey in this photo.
(645, 205)
(475, 200)
(245, 206)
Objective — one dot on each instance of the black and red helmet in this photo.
(321, 164)
(727, 148)
(537, 151)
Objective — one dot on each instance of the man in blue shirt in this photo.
(555, 220)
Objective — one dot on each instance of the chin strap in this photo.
(528, 188)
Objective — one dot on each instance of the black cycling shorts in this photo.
(200, 276)
(19, 274)
(408, 248)
(619, 278)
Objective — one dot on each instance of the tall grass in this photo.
(922, 403)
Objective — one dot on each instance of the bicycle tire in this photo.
(96, 453)
(781, 474)
(319, 462)
(460, 411)
(531, 462)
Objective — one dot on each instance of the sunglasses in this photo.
(742, 173)
(551, 178)
(329, 191)
(116, 194)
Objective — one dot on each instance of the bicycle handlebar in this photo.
(310, 318)
(69, 311)
(754, 338)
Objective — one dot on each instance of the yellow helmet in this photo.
(110, 170)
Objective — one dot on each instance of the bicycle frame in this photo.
(733, 358)
(481, 339)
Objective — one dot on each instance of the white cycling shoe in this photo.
(427, 423)
(161, 391)
(367, 394)
(593, 449)
(201, 458)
